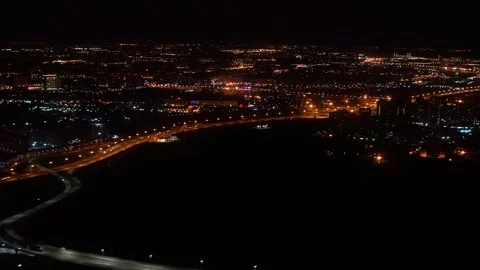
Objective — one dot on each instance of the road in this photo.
(449, 92)
(115, 149)
(16, 242)
(71, 185)
(101, 261)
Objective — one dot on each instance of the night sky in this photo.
(395, 23)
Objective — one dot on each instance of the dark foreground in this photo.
(237, 197)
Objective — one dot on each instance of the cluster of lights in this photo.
(104, 151)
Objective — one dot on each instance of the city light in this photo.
(391, 111)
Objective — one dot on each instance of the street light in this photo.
(150, 257)
(103, 251)
(255, 267)
(201, 264)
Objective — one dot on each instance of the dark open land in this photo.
(236, 197)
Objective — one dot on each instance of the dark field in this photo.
(236, 197)
(16, 197)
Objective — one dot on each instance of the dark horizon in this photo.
(336, 23)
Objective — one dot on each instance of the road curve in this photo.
(120, 147)
(16, 242)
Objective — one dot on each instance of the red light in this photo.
(30, 88)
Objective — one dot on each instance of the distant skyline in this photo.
(407, 23)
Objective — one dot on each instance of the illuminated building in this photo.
(405, 56)
(365, 111)
(219, 103)
(50, 81)
(21, 81)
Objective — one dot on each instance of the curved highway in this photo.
(16, 243)
(121, 146)
(11, 242)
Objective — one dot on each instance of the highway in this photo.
(101, 261)
(17, 243)
(11, 242)
(449, 92)
(121, 146)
